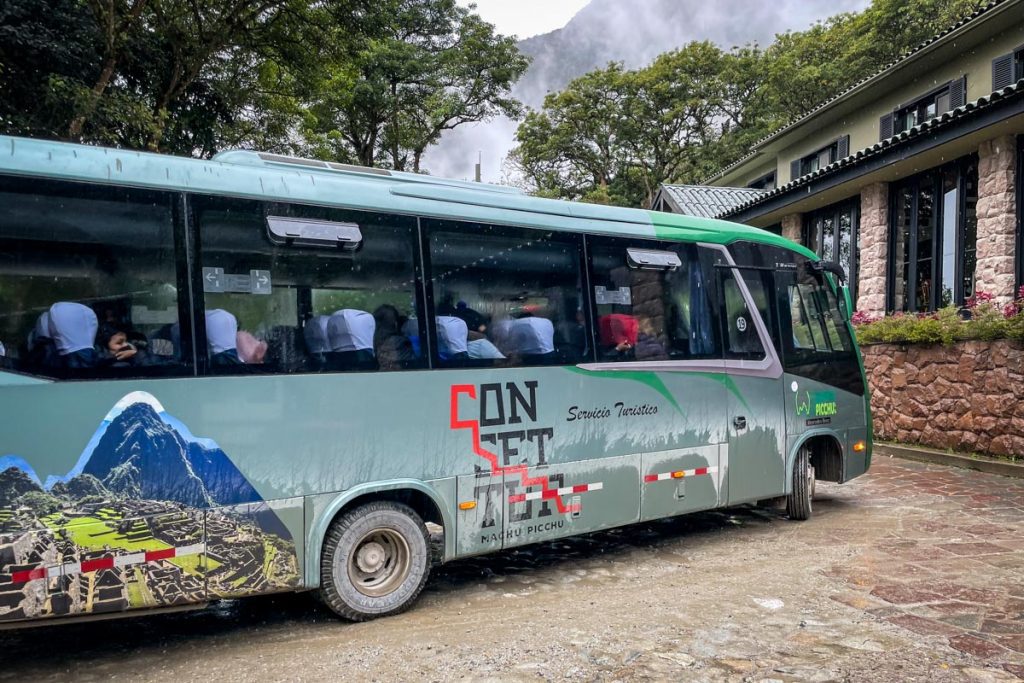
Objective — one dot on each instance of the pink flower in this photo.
(862, 318)
(1010, 310)
(978, 299)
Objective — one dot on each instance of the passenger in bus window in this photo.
(572, 334)
(393, 349)
(73, 329)
(222, 338)
(350, 334)
(116, 351)
(618, 335)
(251, 351)
(648, 345)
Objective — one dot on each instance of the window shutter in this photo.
(957, 92)
(794, 169)
(885, 127)
(842, 147)
(1002, 71)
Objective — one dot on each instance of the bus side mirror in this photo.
(845, 302)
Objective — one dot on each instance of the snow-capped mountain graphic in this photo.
(140, 451)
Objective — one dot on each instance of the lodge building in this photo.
(911, 179)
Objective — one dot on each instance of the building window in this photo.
(820, 159)
(835, 150)
(934, 103)
(933, 238)
(1008, 69)
(765, 182)
(833, 234)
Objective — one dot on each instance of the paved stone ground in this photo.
(913, 572)
(953, 568)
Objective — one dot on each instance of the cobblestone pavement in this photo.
(910, 573)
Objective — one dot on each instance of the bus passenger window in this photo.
(742, 339)
(88, 278)
(651, 312)
(309, 304)
(505, 296)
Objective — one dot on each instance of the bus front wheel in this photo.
(798, 503)
(375, 561)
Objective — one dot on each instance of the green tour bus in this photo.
(258, 374)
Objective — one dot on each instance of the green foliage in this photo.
(363, 81)
(946, 326)
(41, 503)
(617, 135)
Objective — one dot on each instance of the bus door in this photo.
(756, 425)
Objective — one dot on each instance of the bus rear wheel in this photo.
(798, 503)
(375, 561)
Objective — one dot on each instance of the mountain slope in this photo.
(632, 32)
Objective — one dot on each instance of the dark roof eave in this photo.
(929, 135)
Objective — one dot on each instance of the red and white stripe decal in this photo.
(72, 568)
(679, 474)
(548, 494)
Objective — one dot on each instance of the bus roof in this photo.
(258, 175)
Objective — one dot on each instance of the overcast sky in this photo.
(525, 18)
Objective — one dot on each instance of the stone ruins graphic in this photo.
(149, 516)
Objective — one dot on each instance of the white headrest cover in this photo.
(483, 348)
(533, 336)
(452, 335)
(221, 331)
(315, 333)
(72, 327)
(351, 330)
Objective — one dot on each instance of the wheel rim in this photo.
(379, 563)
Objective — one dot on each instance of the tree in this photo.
(416, 69)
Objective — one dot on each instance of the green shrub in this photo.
(987, 322)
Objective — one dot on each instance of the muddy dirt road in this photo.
(913, 572)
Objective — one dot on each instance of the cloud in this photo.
(632, 32)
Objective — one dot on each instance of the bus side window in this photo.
(652, 313)
(742, 339)
(294, 288)
(88, 280)
(505, 296)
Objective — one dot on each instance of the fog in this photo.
(633, 32)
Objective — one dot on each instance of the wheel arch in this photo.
(421, 497)
(827, 456)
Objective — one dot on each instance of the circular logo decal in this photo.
(741, 324)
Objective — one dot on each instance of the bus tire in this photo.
(798, 503)
(375, 561)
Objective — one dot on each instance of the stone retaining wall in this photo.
(968, 397)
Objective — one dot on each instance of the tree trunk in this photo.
(78, 123)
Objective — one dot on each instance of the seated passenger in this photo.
(41, 352)
(533, 338)
(116, 351)
(618, 333)
(222, 338)
(350, 336)
(393, 348)
(251, 351)
(481, 348)
(648, 345)
(73, 330)
(452, 338)
(317, 345)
